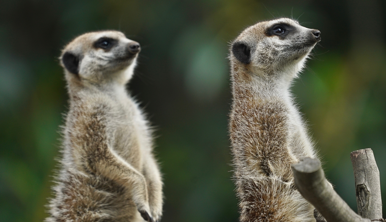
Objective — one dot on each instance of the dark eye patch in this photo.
(281, 30)
(105, 43)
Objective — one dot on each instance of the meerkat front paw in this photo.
(157, 213)
(156, 202)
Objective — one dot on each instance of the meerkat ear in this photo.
(71, 62)
(242, 52)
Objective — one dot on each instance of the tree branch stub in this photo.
(367, 184)
(312, 184)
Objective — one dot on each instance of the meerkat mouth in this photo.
(311, 43)
(127, 58)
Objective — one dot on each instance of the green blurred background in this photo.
(182, 82)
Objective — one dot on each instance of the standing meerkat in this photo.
(108, 171)
(266, 130)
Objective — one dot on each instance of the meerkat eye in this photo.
(105, 43)
(279, 30)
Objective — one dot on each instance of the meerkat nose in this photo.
(317, 34)
(134, 47)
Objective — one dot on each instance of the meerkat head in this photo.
(99, 57)
(274, 47)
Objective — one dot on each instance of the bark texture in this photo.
(367, 184)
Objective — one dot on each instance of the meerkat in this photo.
(266, 130)
(108, 170)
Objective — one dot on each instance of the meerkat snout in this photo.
(315, 37)
(134, 47)
(317, 34)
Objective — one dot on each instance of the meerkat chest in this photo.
(131, 132)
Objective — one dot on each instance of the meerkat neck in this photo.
(263, 87)
(112, 89)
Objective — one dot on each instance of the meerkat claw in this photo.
(145, 215)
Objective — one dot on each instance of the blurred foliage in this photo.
(183, 83)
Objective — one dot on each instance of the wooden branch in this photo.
(367, 184)
(312, 184)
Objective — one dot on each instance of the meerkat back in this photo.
(108, 171)
(266, 130)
